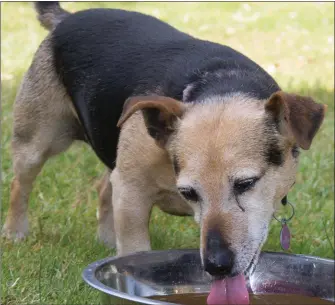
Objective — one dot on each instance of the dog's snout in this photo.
(218, 258)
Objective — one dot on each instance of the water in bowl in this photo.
(264, 299)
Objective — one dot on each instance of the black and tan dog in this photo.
(205, 130)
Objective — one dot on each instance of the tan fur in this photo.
(211, 154)
(143, 177)
(44, 126)
(215, 143)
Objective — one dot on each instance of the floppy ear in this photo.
(296, 116)
(159, 112)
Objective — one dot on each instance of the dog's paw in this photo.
(15, 232)
(14, 236)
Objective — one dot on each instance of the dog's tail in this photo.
(50, 13)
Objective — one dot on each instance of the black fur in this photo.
(103, 56)
(176, 165)
(273, 153)
(43, 7)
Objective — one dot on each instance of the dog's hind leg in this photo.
(27, 163)
(106, 232)
(44, 125)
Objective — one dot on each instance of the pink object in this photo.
(229, 291)
(285, 237)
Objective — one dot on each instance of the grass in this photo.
(293, 41)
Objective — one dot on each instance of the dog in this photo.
(191, 126)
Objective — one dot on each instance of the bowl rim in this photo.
(89, 272)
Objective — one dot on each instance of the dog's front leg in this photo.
(106, 232)
(132, 206)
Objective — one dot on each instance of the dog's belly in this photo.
(173, 204)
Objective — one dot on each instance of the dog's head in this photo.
(234, 161)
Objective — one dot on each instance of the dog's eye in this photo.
(244, 185)
(189, 194)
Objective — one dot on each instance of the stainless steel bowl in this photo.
(130, 279)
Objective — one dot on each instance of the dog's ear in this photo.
(159, 112)
(296, 116)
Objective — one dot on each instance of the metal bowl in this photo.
(130, 279)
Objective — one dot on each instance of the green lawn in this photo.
(293, 41)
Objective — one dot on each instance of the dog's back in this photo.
(104, 56)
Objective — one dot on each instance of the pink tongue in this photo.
(229, 291)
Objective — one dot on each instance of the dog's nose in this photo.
(218, 258)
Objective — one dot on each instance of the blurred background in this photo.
(294, 42)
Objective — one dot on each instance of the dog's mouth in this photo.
(233, 289)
